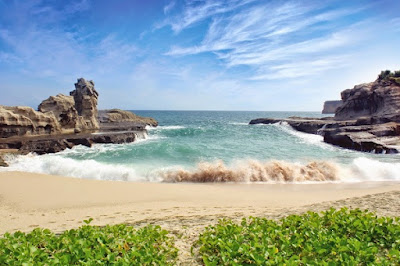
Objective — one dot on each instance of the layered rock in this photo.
(24, 121)
(63, 108)
(86, 97)
(62, 122)
(368, 119)
(379, 100)
(330, 107)
(121, 116)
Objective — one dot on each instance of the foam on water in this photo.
(57, 165)
(304, 137)
(361, 169)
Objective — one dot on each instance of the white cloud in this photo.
(197, 11)
(270, 34)
(169, 7)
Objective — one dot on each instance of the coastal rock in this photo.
(23, 120)
(121, 116)
(63, 108)
(330, 107)
(86, 97)
(373, 138)
(379, 100)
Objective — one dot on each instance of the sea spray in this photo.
(255, 171)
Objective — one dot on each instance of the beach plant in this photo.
(333, 237)
(90, 245)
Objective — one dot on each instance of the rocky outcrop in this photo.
(368, 119)
(86, 96)
(63, 108)
(63, 121)
(379, 100)
(24, 121)
(121, 116)
(330, 107)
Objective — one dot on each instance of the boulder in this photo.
(86, 97)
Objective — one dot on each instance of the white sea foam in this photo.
(238, 124)
(55, 164)
(359, 170)
(164, 127)
(313, 139)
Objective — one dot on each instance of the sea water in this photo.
(216, 146)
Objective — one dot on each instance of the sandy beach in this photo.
(30, 200)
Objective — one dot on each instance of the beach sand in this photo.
(30, 200)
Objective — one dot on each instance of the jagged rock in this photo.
(117, 116)
(379, 100)
(63, 108)
(23, 120)
(44, 146)
(86, 96)
(367, 138)
(330, 107)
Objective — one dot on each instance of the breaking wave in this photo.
(361, 169)
(245, 171)
(256, 171)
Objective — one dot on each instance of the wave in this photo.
(313, 139)
(238, 124)
(360, 169)
(56, 165)
(256, 171)
(164, 127)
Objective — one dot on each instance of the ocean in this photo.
(216, 146)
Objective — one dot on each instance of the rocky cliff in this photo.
(330, 107)
(368, 120)
(378, 100)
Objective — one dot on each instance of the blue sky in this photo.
(196, 55)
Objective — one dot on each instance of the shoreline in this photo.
(29, 200)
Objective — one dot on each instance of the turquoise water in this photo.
(186, 138)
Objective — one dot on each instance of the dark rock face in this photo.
(379, 99)
(367, 138)
(330, 107)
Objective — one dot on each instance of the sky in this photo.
(198, 54)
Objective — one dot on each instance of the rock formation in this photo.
(64, 121)
(117, 116)
(379, 100)
(63, 108)
(331, 106)
(24, 121)
(368, 120)
(85, 97)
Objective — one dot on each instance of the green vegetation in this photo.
(333, 238)
(388, 75)
(89, 245)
